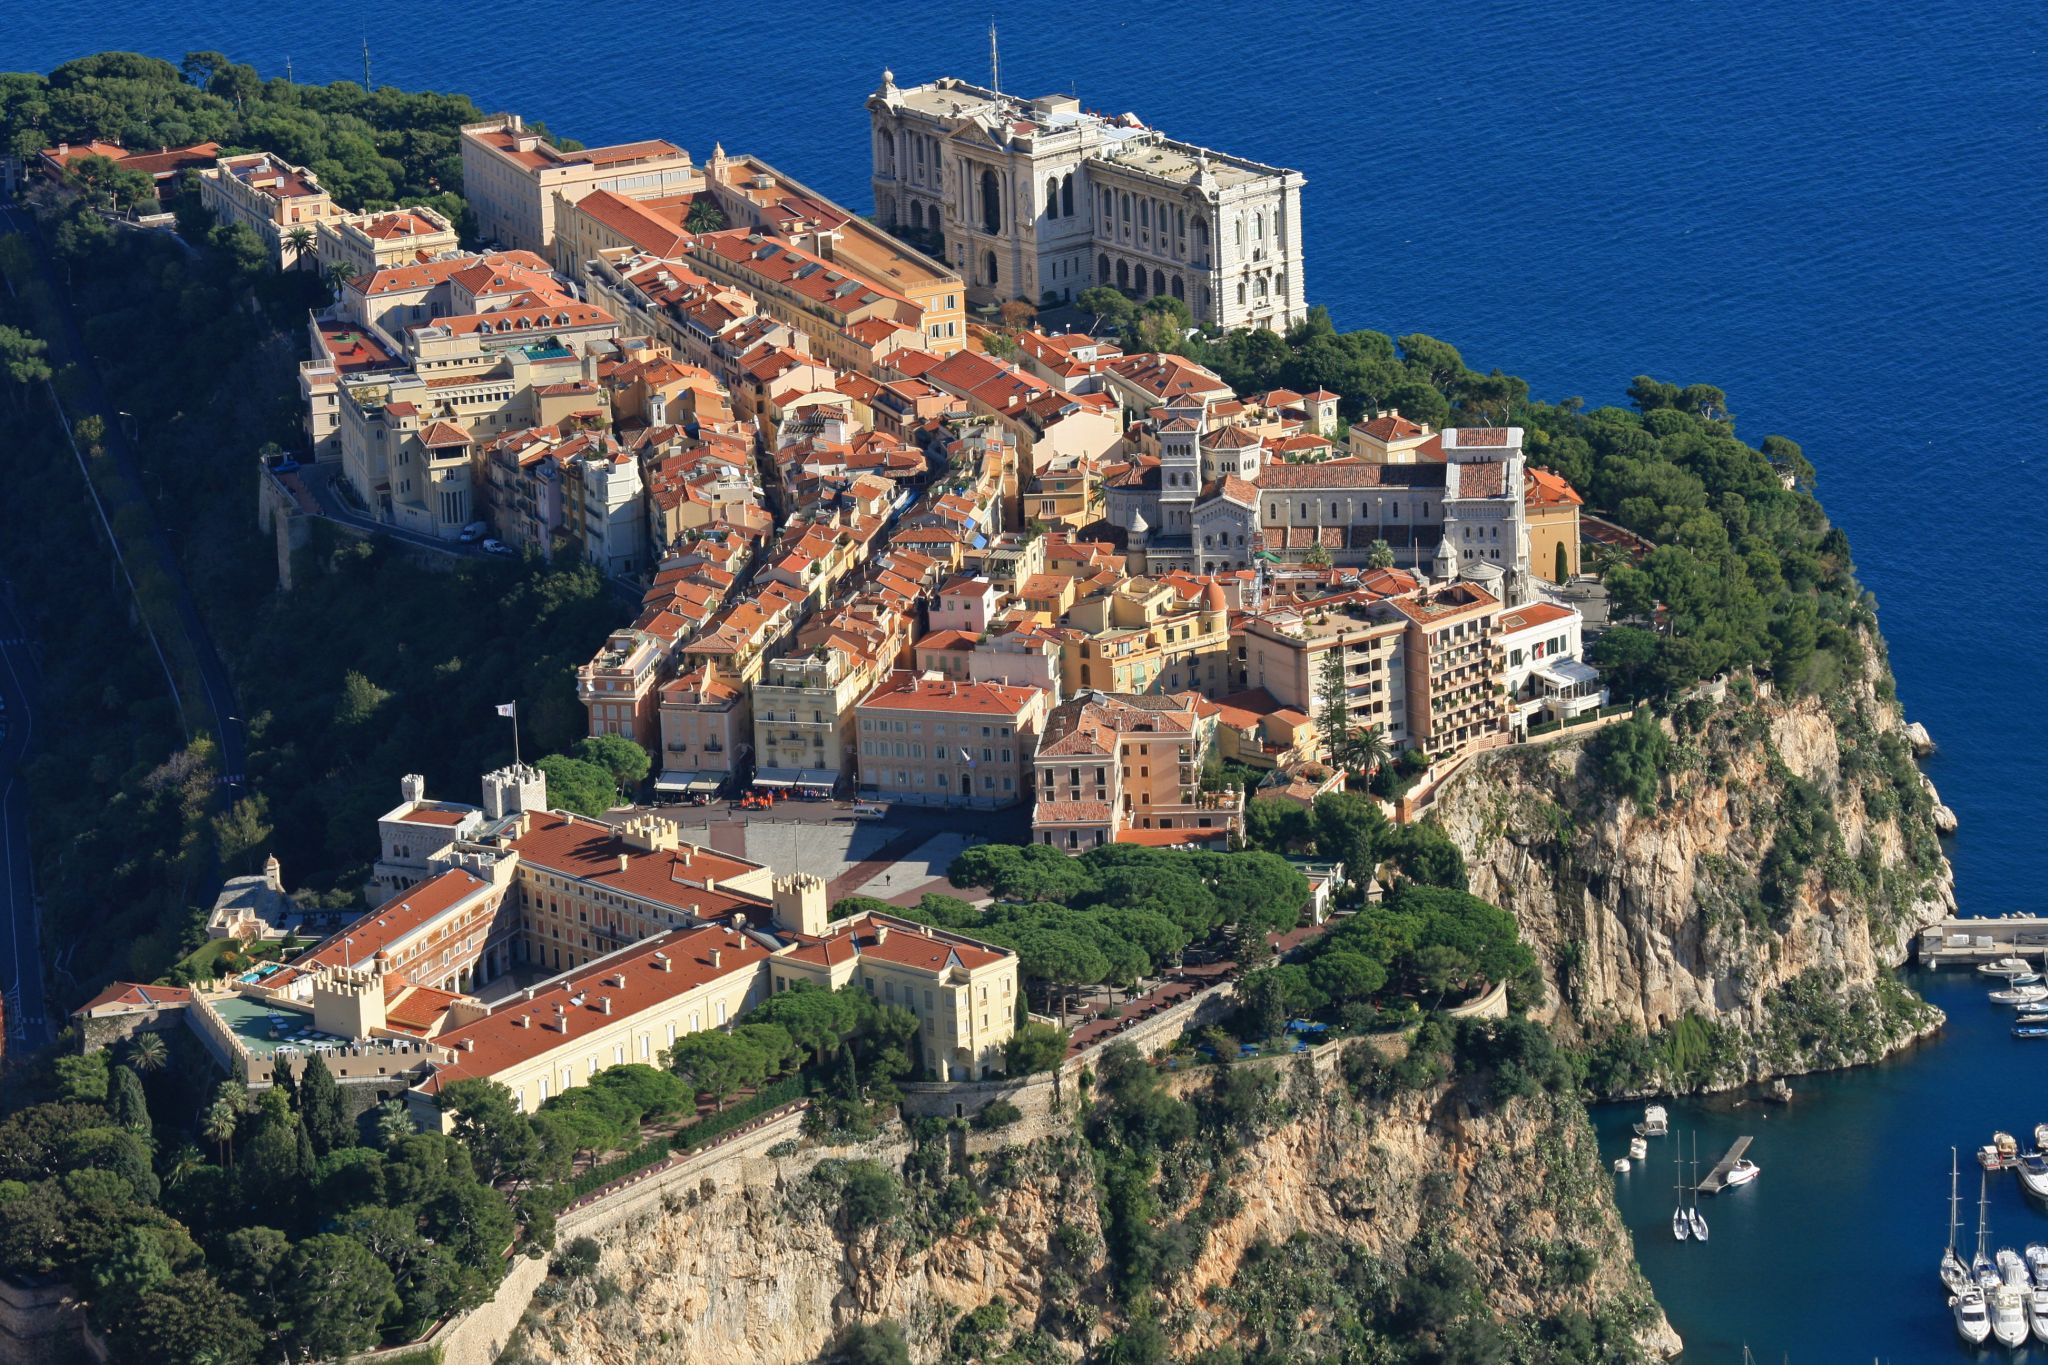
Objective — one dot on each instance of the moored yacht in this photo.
(2012, 1302)
(1656, 1123)
(2006, 967)
(2020, 995)
(1973, 1323)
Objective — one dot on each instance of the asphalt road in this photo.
(21, 958)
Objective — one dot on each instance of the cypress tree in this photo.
(321, 1108)
(126, 1100)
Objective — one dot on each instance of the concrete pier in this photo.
(1957, 941)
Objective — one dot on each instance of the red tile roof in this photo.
(631, 981)
(590, 851)
(900, 943)
(131, 995)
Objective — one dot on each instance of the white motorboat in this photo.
(1621, 1165)
(2024, 979)
(2005, 966)
(1656, 1123)
(2012, 1269)
(2020, 995)
(1693, 1217)
(2037, 1302)
(1741, 1173)
(2009, 1314)
(1638, 1149)
(2033, 1174)
(1973, 1323)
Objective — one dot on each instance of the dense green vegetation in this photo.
(1421, 948)
(248, 1229)
(368, 148)
(1113, 915)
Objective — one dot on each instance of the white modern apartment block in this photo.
(1039, 199)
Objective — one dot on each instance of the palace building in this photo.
(1040, 199)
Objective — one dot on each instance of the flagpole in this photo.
(515, 734)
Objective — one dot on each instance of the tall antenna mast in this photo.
(995, 61)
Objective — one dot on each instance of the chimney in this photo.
(521, 1021)
(469, 1044)
(717, 958)
(604, 1004)
(661, 962)
(881, 934)
(625, 861)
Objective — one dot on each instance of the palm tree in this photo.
(218, 1125)
(182, 1164)
(300, 240)
(146, 1052)
(341, 272)
(704, 215)
(1369, 749)
(394, 1124)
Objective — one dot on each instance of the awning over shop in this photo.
(777, 777)
(674, 782)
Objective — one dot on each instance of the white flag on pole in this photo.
(510, 708)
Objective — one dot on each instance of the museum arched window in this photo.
(1067, 195)
(1052, 197)
(991, 203)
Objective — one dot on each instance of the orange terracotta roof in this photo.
(654, 970)
(129, 994)
(900, 943)
(589, 851)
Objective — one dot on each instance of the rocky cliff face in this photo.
(1790, 858)
(775, 1271)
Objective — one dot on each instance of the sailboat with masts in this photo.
(1693, 1217)
(1681, 1226)
(1968, 1303)
(1954, 1274)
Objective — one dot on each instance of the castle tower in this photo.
(514, 788)
(412, 789)
(800, 904)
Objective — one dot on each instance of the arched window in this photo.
(1102, 268)
(1067, 195)
(1262, 286)
(1144, 213)
(1201, 231)
(1240, 230)
(1158, 282)
(1052, 197)
(1138, 282)
(1123, 275)
(1259, 226)
(1126, 205)
(1180, 289)
(989, 267)
(991, 203)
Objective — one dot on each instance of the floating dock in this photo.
(1957, 941)
(1717, 1178)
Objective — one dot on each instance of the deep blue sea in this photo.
(1836, 212)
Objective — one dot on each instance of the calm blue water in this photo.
(1834, 211)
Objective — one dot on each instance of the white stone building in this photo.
(1039, 199)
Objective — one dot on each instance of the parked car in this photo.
(497, 547)
(473, 532)
(283, 464)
